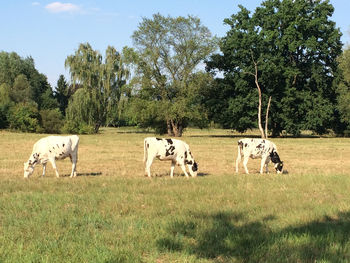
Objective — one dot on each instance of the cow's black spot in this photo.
(169, 151)
(246, 144)
(158, 139)
(49, 150)
(263, 141)
(194, 167)
(189, 162)
(260, 146)
(62, 145)
(170, 141)
(147, 145)
(185, 155)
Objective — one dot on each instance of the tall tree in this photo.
(295, 45)
(344, 88)
(62, 94)
(168, 54)
(100, 80)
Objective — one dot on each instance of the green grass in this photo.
(112, 213)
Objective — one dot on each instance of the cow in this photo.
(50, 149)
(176, 151)
(258, 148)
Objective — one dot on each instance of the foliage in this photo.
(295, 45)
(101, 81)
(21, 89)
(81, 111)
(48, 101)
(12, 66)
(23, 92)
(24, 117)
(75, 127)
(51, 120)
(344, 88)
(168, 53)
(62, 94)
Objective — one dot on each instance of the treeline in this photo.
(177, 74)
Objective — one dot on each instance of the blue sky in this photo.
(49, 31)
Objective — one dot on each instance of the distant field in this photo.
(112, 213)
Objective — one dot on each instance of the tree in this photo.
(295, 46)
(168, 54)
(21, 89)
(101, 83)
(62, 94)
(344, 88)
(12, 66)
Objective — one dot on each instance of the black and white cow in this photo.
(258, 148)
(176, 151)
(50, 149)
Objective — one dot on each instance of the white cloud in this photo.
(58, 7)
(35, 3)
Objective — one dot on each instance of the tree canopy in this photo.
(168, 53)
(101, 82)
(295, 45)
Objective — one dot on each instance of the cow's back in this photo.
(255, 148)
(58, 147)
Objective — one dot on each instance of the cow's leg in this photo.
(264, 162)
(148, 166)
(172, 169)
(73, 159)
(53, 163)
(183, 167)
(44, 169)
(245, 162)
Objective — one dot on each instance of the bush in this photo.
(4, 112)
(51, 120)
(25, 117)
(75, 127)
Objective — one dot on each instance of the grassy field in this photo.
(112, 213)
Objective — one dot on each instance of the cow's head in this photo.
(30, 164)
(277, 161)
(191, 163)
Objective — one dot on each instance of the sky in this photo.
(49, 31)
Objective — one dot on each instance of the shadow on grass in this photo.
(90, 174)
(302, 136)
(228, 237)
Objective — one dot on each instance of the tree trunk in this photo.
(170, 128)
(177, 128)
(267, 117)
(259, 107)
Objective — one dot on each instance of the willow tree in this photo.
(101, 81)
(168, 54)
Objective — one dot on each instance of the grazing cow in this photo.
(53, 148)
(176, 151)
(258, 148)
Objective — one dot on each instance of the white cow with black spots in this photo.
(258, 148)
(176, 151)
(50, 149)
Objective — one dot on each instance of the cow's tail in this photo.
(145, 151)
